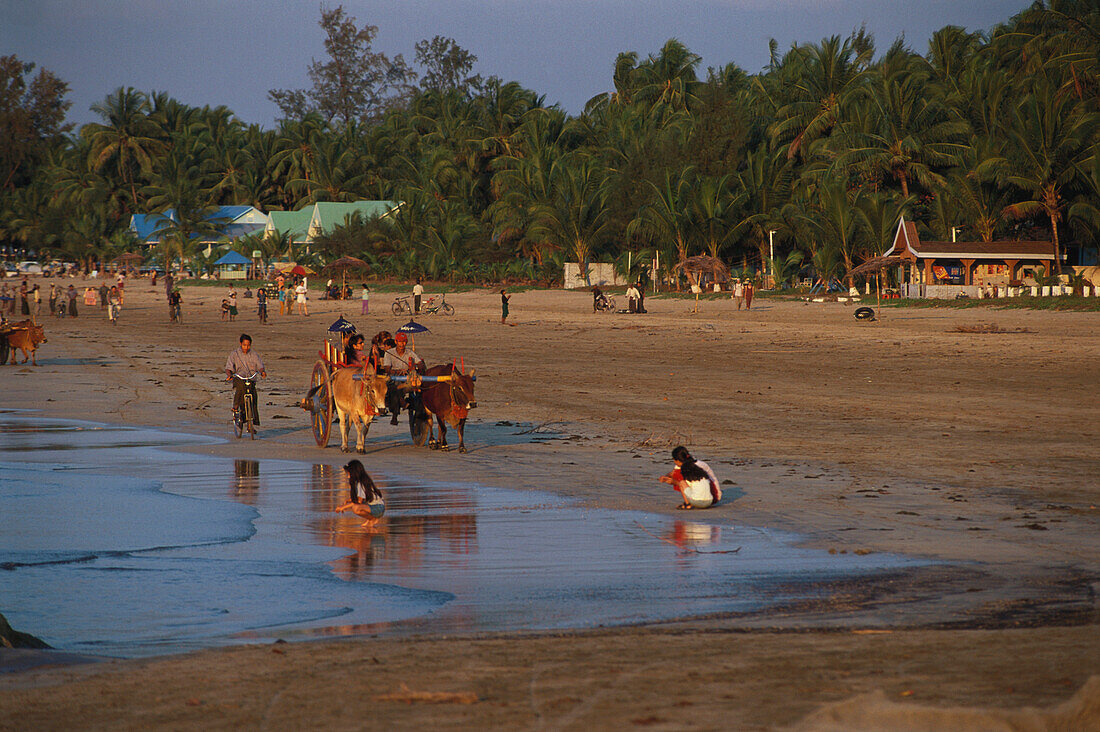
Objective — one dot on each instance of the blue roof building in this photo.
(232, 222)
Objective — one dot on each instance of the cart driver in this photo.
(397, 362)
(244, 361)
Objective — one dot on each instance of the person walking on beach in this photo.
(365, 297)
(103, 293)
(418, 292)
(24, 304)
(300, 291)
(676, 478)
(504, 298)
(632, 297)
(748, 294)
(73, 295)
(738, 295)
(53, 298)
(232, 305)
(37, 295)
(365, 501)
(261, 304)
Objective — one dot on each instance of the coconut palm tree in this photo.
(910, 135)
(575, 216)
(129, 138)
(827, 77)
(1051, 138)
(668, 216)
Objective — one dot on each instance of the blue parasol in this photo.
(341, 326)
(413, 327)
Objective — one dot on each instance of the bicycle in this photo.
(245, 417)
(401, 305)
(431, 307)
(605, 304)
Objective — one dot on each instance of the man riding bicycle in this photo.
(241, 364)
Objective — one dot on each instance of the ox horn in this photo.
(472, 373)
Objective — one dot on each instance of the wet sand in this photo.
(974, 450)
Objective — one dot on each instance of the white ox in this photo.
(357, 400)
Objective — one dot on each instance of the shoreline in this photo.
(878, 429)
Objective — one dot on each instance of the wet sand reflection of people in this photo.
(246, 481)
(431, 523)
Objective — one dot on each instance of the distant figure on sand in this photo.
(366, 501)
(749, 289)
(694, 479)
(365, 297)
(738, 295)
(504, 298)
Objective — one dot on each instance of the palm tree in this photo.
(715, 209)
(828, 77)
(129, 138)
(1052, 137)
(909, 135)
(575, 216)
(668, 216)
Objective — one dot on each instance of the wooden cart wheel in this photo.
(320, 384)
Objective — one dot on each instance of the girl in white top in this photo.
(366, 299)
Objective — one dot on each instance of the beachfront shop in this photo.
(950, 269)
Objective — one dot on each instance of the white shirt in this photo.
(418, 289)
(399, 364)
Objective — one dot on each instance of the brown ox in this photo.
(358, 401)
(450, 402)
(26, 336)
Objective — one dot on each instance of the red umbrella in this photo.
(299, 270)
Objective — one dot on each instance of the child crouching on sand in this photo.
(692, 481)
(366, 500)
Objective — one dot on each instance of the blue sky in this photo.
(231, 52)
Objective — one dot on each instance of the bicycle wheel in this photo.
(447, 309)
(610, 304)
(398, 307)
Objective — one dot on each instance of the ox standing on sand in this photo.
(26, 336)
(358, 400)
(450, 402)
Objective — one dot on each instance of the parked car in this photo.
(30, 267)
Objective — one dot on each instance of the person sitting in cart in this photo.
(399, 361)
(354, 353)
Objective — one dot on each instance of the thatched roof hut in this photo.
(703, 264)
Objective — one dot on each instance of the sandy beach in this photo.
(976, 451)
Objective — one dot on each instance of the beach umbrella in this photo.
(299, 270)
(342, 265)
(341, 326)
(413, 327)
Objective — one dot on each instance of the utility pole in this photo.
(771, 256)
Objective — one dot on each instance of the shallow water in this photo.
(114, 545)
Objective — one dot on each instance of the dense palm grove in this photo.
(995, 133)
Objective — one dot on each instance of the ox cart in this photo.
(320, 401)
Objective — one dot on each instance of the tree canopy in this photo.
(994, 134)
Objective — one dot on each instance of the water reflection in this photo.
(420, 522)
(246, 481)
